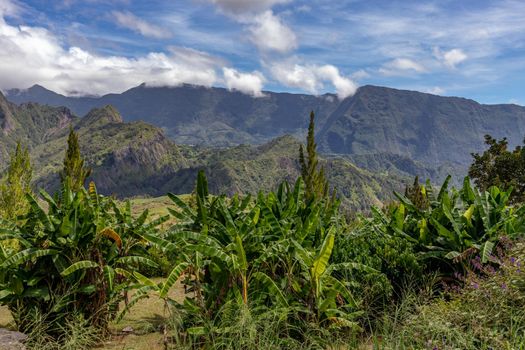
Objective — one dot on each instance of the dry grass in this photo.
(146, 318)
(157, 207)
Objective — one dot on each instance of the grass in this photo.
(146, 318)
(157, 207)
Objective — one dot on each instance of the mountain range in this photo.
(137, 159)
(372, 143)
(437, 133)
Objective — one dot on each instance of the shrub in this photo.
(455, 225)
(392, 257)
(80, 248)
(271, 253)
(488, 313)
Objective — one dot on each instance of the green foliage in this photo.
(498, 166)
(488, 313)
(74, 333)
(316, 185)
(457, 223)
(74, 173)
(392, 257)
(16, 184)
(239, 327)
(78, 248)
(269, 253)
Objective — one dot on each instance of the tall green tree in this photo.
(316, 185)
(74, 172)
(500, 167)
(16, 184)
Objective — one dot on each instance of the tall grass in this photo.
(74, 333)
(239, 327)
(487, 313)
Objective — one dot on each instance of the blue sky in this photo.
(474, 49)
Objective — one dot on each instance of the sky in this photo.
(469, 48)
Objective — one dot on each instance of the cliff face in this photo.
(126, 158)
(430, 129)
(29, 123)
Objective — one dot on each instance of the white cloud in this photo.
(138, 25)
(9, 8)
(267, 30)
(37, 56)
(360, 74)
(243, 7)
(248, 83)
(450, 58)
(401, 66)
(312, 78)
(269, 33)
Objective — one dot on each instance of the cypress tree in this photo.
(74, 173)
(316, 185)
(16, 184)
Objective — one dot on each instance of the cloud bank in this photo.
(248, 83)
(37, 56)
(312, 78)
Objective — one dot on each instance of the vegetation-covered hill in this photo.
(438, 132)
(31, 123)
(199, 115)
(137, 159)
(245, 169)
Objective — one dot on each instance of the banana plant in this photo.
(327, 296)
(270, 251)
(150, 288)
(79, 245)
(456, 223)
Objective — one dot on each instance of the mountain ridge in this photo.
(436, 131)
(137, 159)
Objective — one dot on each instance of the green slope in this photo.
(137, 159)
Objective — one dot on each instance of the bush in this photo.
(488, 313)
(268, 254)
(392, 257)
(79, 249)
(456, 224)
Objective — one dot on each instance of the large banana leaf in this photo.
(26, 255)
(79, 265)
(172, 279)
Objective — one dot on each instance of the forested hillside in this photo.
(438, 132)
(138, 159)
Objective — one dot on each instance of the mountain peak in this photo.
(38, 87)
(100, 116)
